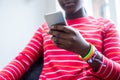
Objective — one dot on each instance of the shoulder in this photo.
(43, 27)
(102, 20)
(105, 22)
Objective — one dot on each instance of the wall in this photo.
(19, 19)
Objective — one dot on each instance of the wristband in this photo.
(89, 55)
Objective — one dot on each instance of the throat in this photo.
(79, 14)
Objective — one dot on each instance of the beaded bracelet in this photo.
(89, 55)
(93, 58)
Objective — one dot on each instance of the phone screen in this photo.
(55, 18)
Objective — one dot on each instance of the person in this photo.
(85, 49)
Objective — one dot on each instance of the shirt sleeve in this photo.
(21, 63)
(111, 53)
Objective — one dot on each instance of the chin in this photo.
(69, 11)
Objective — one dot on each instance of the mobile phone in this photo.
(55, 18)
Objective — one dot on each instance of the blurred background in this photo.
(19, 19)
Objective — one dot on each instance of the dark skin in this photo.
(64, 37)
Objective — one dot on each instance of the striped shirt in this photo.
(61, 64)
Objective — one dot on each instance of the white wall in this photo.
(88, 5)
(19, 19)
(118, 14)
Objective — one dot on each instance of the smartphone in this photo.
(55, 18)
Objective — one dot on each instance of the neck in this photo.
(79, 14)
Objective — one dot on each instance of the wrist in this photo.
(89, 53)
(93, 58)
(85, 51)
(95, 61)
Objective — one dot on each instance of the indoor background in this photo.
(19, 19)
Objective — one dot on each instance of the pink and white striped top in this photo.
(60, 64)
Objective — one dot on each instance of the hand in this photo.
(70, 39)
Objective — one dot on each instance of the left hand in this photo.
(70, 39)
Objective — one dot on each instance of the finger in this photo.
(55, 40)
(54, 33)
(61, 43)
(58, 40)
(66, 29)
(64, 44)
(61, 35)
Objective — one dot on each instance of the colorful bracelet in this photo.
(93, 58)
(89, 55)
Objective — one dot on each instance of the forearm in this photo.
(105, 68)
(18, 66)
(96, 61)
(92, 57)
(15, 69)
(109, 72)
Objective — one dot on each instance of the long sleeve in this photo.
(21, 63)
(111, 51)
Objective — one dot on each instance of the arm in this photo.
(21, 63)
(111, 57)
(65, 37)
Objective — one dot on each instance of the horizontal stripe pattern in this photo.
(60, 64)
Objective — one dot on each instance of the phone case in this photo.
(55, 18)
